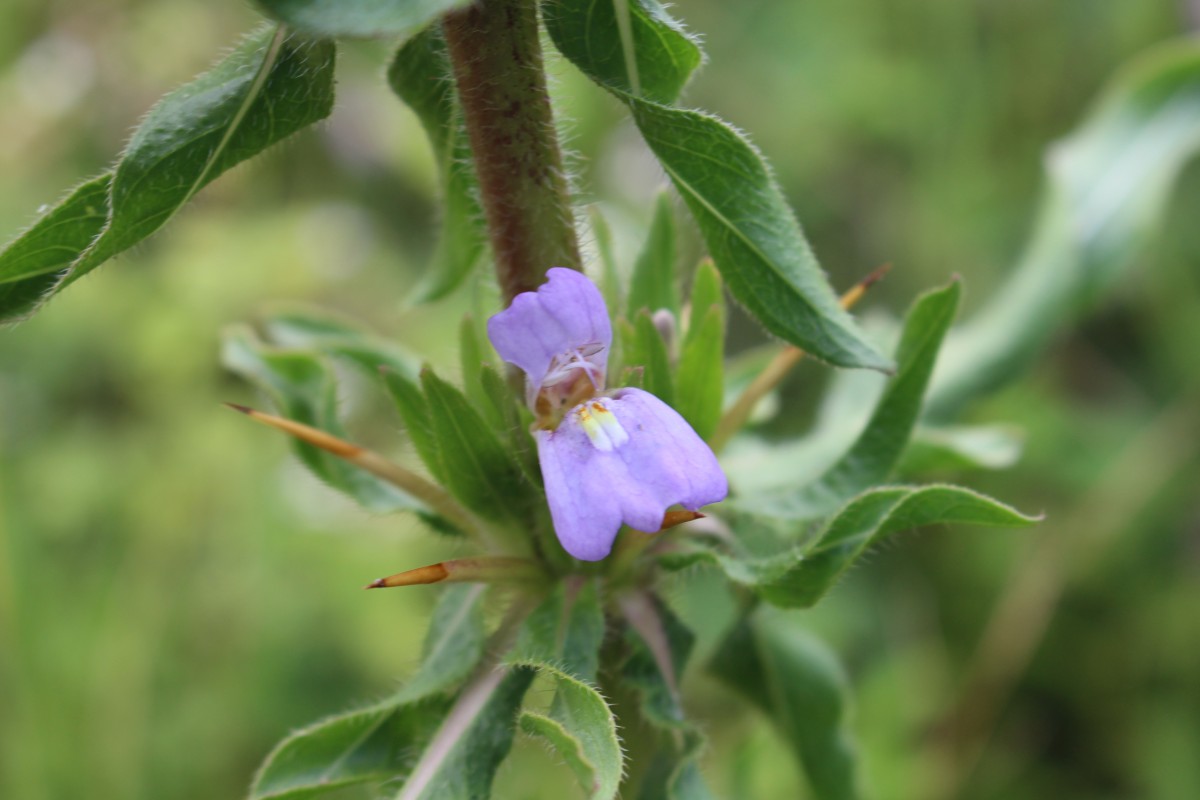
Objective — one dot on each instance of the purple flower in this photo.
(607, 458)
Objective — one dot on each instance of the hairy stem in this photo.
(497, 63)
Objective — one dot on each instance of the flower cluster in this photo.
(607, 457)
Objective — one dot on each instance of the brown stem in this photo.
(497, 63)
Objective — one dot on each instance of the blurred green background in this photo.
(176, 593)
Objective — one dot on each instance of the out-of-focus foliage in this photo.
(175, 595)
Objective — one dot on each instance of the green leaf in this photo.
(706, 294)
(659, 645)
(655, 284)
(611, 279)
(477, 467)
(471, 361)
(562, 638)
(302, 386)
(381, 742)
(800, 575)
(508, 408)
(581, 728)
(461, 760)
(797, 682)
(632, 46)
(643, 347)
(414, 410)
(420, 76)
(33, 263)
(1108, 184)
(751, 233)
(749, 229)
(270, 87)
(358, 18)
(674, 772)
(565, 631)
(700, 377)
(322, 332)
(874, 455)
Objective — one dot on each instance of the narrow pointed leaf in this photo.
(746, 223)
(302, 386)
(706, 293)
(414, 410)
(478, 467)
(420, 75)
(509, 410)
(644, 348)
(798, 576)
(655, 282)
(610, 283)
(471, 359)
(752, 234)
(380, 743)
(798, 684)
(700, 379)
(358, 18)
(876, 452)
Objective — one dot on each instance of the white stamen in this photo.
(601, 426)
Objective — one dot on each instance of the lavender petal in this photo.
(566, 314)
(592, 490)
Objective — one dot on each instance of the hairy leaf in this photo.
(631, 46)
(562, 639)
(420, 76)
(32, 265)
(461, 760)
(749, 229)
(358, 18)
(381, 743)
(414, 410)
(303, 388)
(876, 452)
(477, 466)
(797, 682)
(565, 631)
(270, 87)
(509, 409)
(1109, 182)
(800, 575)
